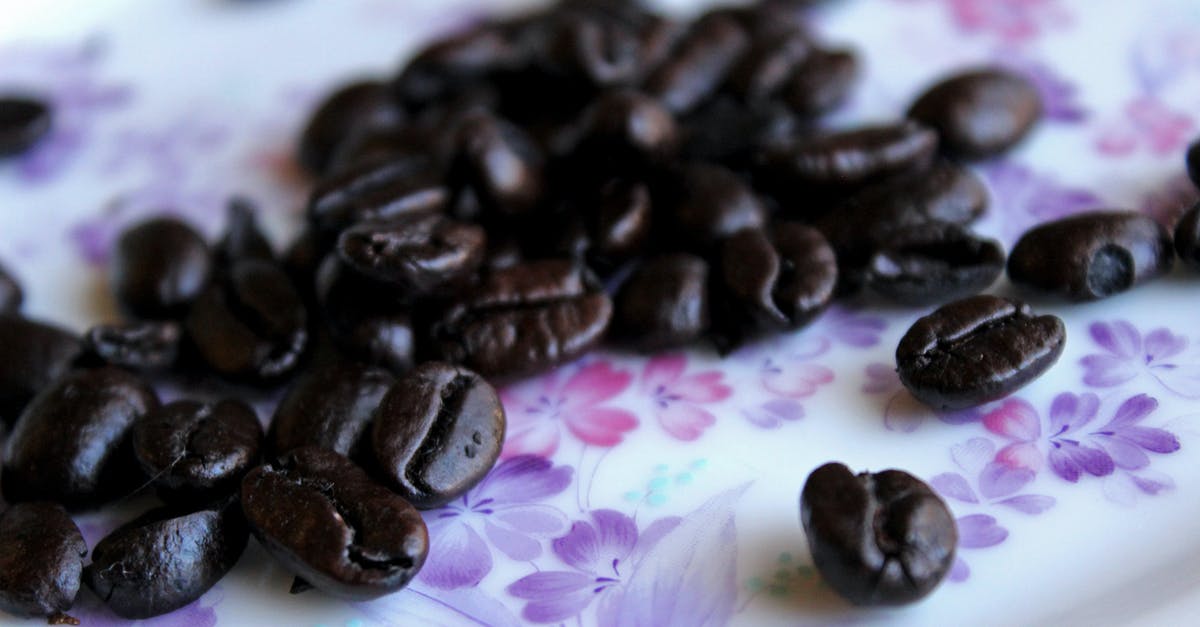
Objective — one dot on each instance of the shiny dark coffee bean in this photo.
(329, 407)
(1187, 237)
(159, 268)
(71, 444)
(707, 203)
(698, 65)
(500, 163)
(627, 131)
(853, 157)
(935, 262)
(764, 69)
(326, 521)
(369, 321)
(418, 255)
(1092, 255)
(41, 560)
(773, 279)
(195, 451)
(23, 122)
(620, 225)
(524, 319)
(977, 350)
(36, 354)
(350, 107)
(586, 46)
(243, 238)
(251, 325)
(733, 133)
(877, 539)
(437, 433)
(382, 190)
(376, 144)
(1193, 162)
(11, 294)
(979, 114)
(664, 304)
(166, 558)
(822, 82)
(144, 345)
(450, 64)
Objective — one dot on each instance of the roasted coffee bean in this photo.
(71, 444)
(707, 203)
(418, 255)
(166, 558)
(144, 345)
(368, 320)
(524, 319)
(159, 268)
(243, 237)
(935, 262)
(764, 69)
(1193, 162)
(588, 47)
(357, 105)
(977, 350)
(620, 225)
(330, 524)
(822, 82)
(877, 539)
(251, 325)
(35, 355)
(1092, 255)
(41, 559)
(627, 132)
(1187, 237)
(853, 157)
(23, 122)
(733, 133)
(195, 451)
(377, 144)
(11, 294)
(500, 163)
(981, 113)
(437, 433)
(664, 304)
(451, 64)
(773, 279)
(387, 189)
(699, 63)
(329, 407)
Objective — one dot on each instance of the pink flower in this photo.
(538, 410)
(1013, 21)
(678, 398)
(795, 379)
(1150, 124)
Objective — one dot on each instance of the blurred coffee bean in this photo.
(11, 294)
(981, 113)
(700, 62)
(369, 321)
(35, 355)
(934, 262)
(453, 63)
(627, 132)
(664, 304)
(159, 268)
(1187, 237)
(620, 224)
(733, 133)
(377, 190)
(329, 407)
(500, 163)
(1193, 162)
(243, 238)
(706, 203)
(766, 66)
(418, 255)
(853, 157)
(24, 121)
(353, 106)
(822, 82)
(41, 560)
(143, 345)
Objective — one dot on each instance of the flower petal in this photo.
(593, 384)
(1063, 465)
(1069, 412)
(953, 485)
(1125, 454)
(797, 380)
(1133, 410)
(1161, 344)
(536, 520)
(973, 454)
(458, 558)
(1119, 337)
(515, 545)
(1106, 371)
(684, 421)
(601, 427)
(539, 439)
(1021, 455)
(999, 480)
(979, 531)
(703, 387)
(549, 585)
(1014, 419)
(1152, 439)
(1032, 504)
(523, 479)
(662, 371)
(592, 547)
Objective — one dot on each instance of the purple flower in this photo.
(774, 413)
(1127, 355)
(991, 482)
(1024, 198)
(975, 531)
(503, 507)
(1060, 98)
(851, 327)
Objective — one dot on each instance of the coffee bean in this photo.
(368, 320)
(377, 190)
(707, 203)
(195, 451)
(664, 304)
(418, 255)
(243, 237)
(524, 319)
(594, 48)
(877, 539)
(699, 64)
(379, 144)
(1092, 255)
(354, 106)
(764, 69)
(620, 224)
(500, 163)
(329, 407)
(11, 294)
(71, 444)
(935, 262)
(437, 433)
(449, 65)
(822, 82)
(977, 350)
(41, 559)
(159, 268)
(166, 558)
(980, 113)
(627, 132)
(1193, 162)
(23, 123)
(35, 355)
(853, 157)
(734, 133)
(143, 345)
(251, 325)
(1187, 237)
(325, 520)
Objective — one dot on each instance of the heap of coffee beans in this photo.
(518, 193)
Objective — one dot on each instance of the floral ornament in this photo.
(975, 531)
(679, 400)
(851, 327)
(505, 508)
(1127, 355)
(1024, 198)
(1012, 21)
(540, 410)
(902, 412)
(1149, 124)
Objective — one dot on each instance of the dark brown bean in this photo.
(41, 560)
(977, 350)
(159, 268)
(24, 121)
(587, 46)
(707, 203)
(451, 64)
(1187, 237)
(419, 255)
(764, 69)
(368, 320)
(11, 294)
(1193, 162)
(981, 113)
(621, 225)
(699, 63)
(734, 133)
(381, 190)
(36, 354)
(822, 82)
(329, 407)
(853, 157)
(935, 262)
(350, 107)
(144, 345)
(664, 304)
(500, 163)
(626, 131)
(243, 238)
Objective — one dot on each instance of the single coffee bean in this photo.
(143, 345)
(822, 82)
(707, 203)
(626, 131)
(935, 262)
(369, 321)
(418, 255)
(23, 123)
(853, 157)
(981, 113)
(326, 521)
(195, 452)
(524, 319)
(329, 407)
(734, 133)
(11, 294)
(437, 433)
(350, 107)
(620, 224)
(450, 64)
(500, 163)
(166, 558)
(877, 539)
(764, 69)
(664, 304)
(35, 355)
(1092, 255)
(594, 48)
(71, 444)
(159, 268)
(41, 559)
(1193, 162)
(243, 238)
(381, 190)
(378, 144)
(699, 63)
(977, 350)
(251, 325)
(1187, 237)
